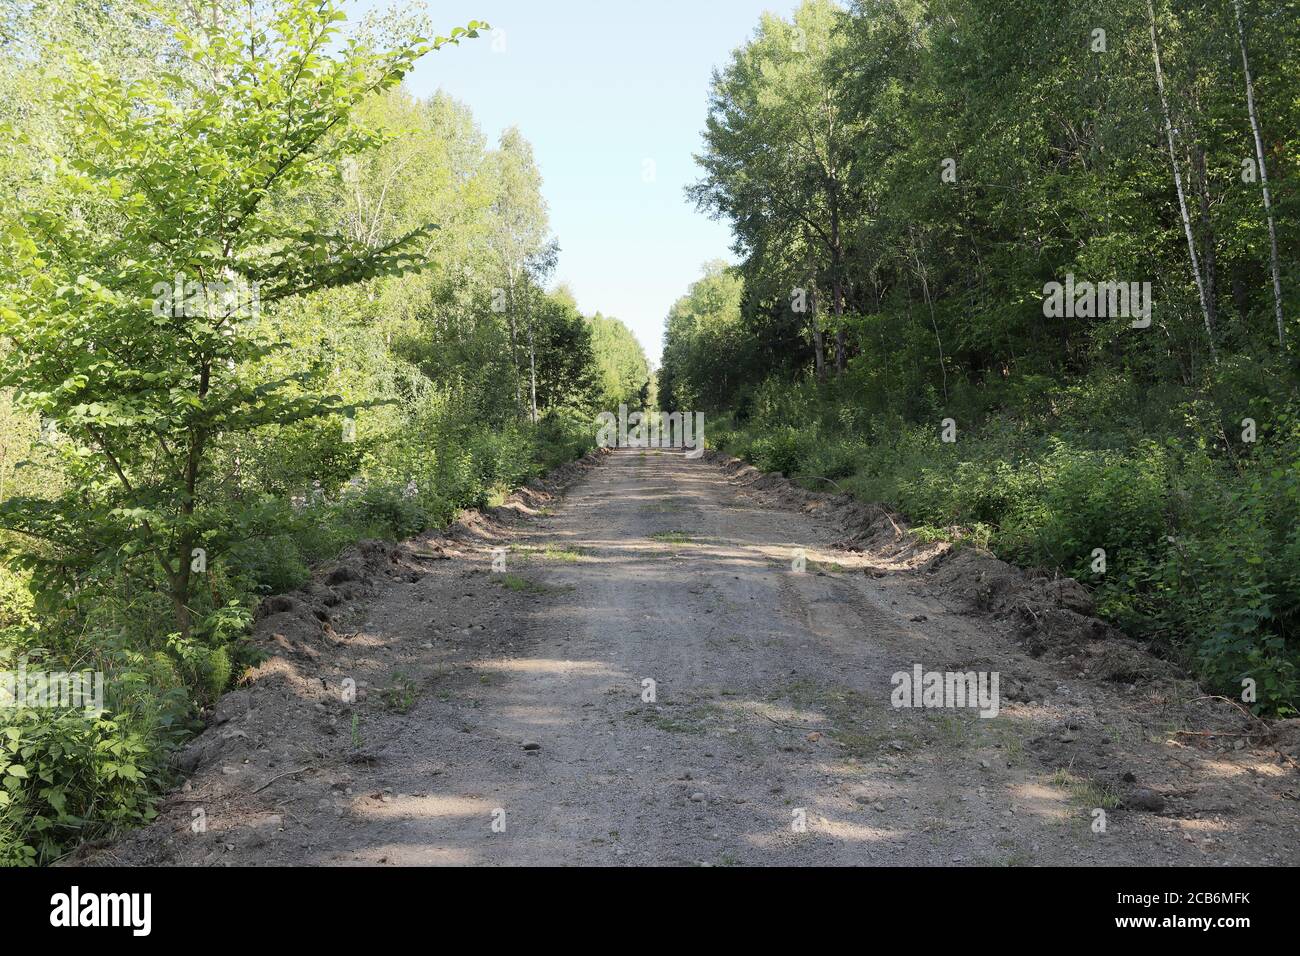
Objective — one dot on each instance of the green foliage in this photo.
(61, 772)
(66, 774)
(783, 450)
(624, 372)
(902, 181)
(129, 323)
(703, 342)
(373, 389)
(1200, 556)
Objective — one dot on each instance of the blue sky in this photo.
(599, 89)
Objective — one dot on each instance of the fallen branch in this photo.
(1263, 723)
(287, 773)
(815, 730)
(820, 478)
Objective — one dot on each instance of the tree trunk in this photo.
(1178, 184)
(1263, 175)
(929, 304)
(514, 347)
(1239, 294)
(837, 293)
(819, 348)
(186, 542)
(532, 356)
(1207, 232)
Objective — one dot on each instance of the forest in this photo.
(1026, 272)
(257, 303)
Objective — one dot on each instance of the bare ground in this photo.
(517, 698)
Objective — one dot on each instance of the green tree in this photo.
(624, 371)
(704, 341)
(517, 238)
(779, 152)
(117, 299)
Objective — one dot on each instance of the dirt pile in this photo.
(867, 527)
(1053, 616)
(297, 631)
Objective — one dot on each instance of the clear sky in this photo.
(603, 89)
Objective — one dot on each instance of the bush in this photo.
(564, 436)
(66, 776)
(1201, 559)
(783, 450)
(388, 511)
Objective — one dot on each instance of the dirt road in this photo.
(504, 717)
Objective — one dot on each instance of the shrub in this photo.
(1202, 557)
(69, 774)
(781, 450)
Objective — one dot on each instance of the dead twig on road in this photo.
(278, 776)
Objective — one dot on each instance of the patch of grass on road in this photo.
(695, 720)
(1085, 793)
(844, 710)
(521, 585)
(663, 507)
(827, 567)
(672, 537)
(549, 553)
(400, 694)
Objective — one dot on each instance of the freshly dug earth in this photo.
(504, 716)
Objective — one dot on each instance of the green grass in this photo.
(549, 553)
(662, 507)
(695, 720)
(827, 567)
(400, 694)
(1199, 542)
(522, 585)
(1084, 793)
(513, 582)
(672, 537)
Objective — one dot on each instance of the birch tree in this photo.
(1263, 174)
(518, 229)
(1178, 184)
